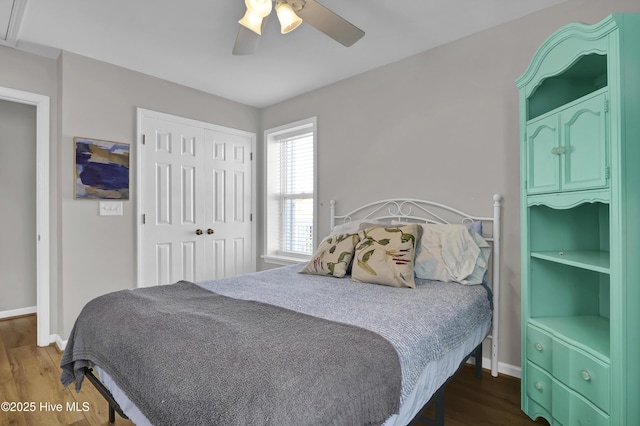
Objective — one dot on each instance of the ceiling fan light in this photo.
(260, 8)
(289, 21)
(252, 21)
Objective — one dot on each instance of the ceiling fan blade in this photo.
(326, 21)
(247, 41)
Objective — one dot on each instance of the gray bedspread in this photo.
(423, 324)
(186, 355)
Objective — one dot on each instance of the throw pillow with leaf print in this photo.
(385, 255)
(333, 256)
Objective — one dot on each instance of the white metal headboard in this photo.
(413, 210)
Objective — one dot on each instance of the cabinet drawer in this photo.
(539, 386)
(582, 373)
(539, 345)
(570, 409)
(535, 411)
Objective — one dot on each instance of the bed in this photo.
(302, 345)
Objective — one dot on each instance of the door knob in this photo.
(198, 231)
(209, 231)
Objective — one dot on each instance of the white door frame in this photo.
(141, 113)
(43, 274)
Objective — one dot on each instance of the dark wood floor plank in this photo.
(491, 401)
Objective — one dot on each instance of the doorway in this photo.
(42, 232)
(18, 212)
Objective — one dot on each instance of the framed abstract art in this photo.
(101, 169)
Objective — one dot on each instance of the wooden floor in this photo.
(30, 374)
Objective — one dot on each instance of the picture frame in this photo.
(101, 169)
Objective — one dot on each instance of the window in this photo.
(290, 192)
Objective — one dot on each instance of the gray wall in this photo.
(441, 125)
(99, 100)
(18, 211)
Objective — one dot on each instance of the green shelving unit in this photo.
(580, 218)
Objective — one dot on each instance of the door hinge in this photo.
(144, 139)
(251, 156)
(606, 105)
(144, 218)
(250, 217)
(607, 172)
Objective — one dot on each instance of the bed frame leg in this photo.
(438, 417)
(113, 405)
(477, 355)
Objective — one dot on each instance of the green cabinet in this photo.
(566, 148)
(580, 239)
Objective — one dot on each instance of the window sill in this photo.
(283, 260)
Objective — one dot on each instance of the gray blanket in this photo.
(185, 355)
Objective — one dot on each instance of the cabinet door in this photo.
(543, 167)
(584, 143)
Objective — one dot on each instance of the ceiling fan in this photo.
(291, 13)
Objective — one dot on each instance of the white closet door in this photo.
(196, 203)
(227, 204)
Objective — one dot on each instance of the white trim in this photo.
(510, 370)
(309, 125)
(18, 312)
(283, 261)
(41, 102)
(503, 368)
(61, 344)
(141, 114)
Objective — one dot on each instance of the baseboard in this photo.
(503, 367)
(61, 344)
(18, 312)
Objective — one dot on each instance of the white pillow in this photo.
(451, 253)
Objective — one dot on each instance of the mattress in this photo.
(432, 327)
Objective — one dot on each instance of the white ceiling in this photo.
(190, 41)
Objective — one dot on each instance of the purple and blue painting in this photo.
(102, 169)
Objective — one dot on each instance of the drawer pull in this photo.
(538, 385)
(585, 375)
(539, 346)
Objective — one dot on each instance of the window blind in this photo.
(290, 189)
(297, 194)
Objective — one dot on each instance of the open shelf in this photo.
(587, 75)
(590, 333)
(592, 260)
